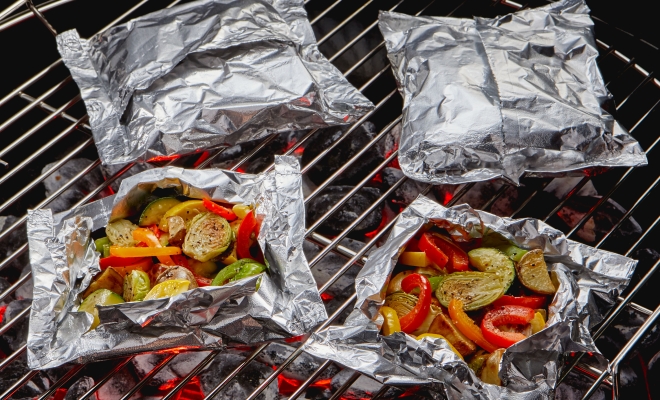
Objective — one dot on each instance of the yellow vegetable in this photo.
(108, 279)
(391, 323)
(147, 237)
(241, 210)
(186, 210)
(144, 251)
(168, 289)
(436, 336)
(538, 323)
(415, 259)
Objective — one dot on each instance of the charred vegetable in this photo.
(136, 285)
(442, 325)
(513, 252)
(108, 279)
(155, 210)
(101, 297)
(478, 361)
(491, 370)
(208, 237)
(493, 260)
(206, 269)
(474, 289)
(120, 233)
(533, 273)
(177, 227)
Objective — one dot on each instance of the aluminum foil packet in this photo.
(590, 281)
(489, 98)
(64, 261)
(203, 75)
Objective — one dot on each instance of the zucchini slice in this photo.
(474, 289)
(101, 297)
(533, 273)
(155, 210)
(487, 259)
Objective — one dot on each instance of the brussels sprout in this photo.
(242, 268)
(168, 289)
(120, 233)
(136, 285)
(208, 237)
(101, 297)
(177, 273)
(401, 302)
(177, 228)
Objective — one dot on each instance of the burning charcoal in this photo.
(348, 213)
(300, 369)
(266, 156)
(9, 244)
(241, 386)
(16, 370)
(349, 147)
(622, 329)
(120, 383)
(576, 385)
(79, 388)
(362, 388)
(482, 192)
(4, 284)
(16, 336)
(179, 367)
(228, 157)
(56, 180)
(560, 187)
(407, 192)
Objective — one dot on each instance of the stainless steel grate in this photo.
(348, 36)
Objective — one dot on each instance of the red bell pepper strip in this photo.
(220, 210)
(180, 260)
(201, 281)
(516, 315)
(113, 261)
(244, 240)
(533, 301)
(427, 245)
(417, 315)
(413, 245)
(458, 259)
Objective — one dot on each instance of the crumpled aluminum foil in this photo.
(64, 261)
(590, 282)
(203, 75)
(489, 98)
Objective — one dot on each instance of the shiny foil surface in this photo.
(488, 98)
(590, 280)
(64, 260)
(203, 75)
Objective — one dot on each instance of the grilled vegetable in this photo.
(442, 325)
(155, 210)
(147, 237)
(533, 301)
(493, 260)
(238, 270)
(491, 370)
(538, 322)
(513, 252)
(144, 251)
(207, 269)
(186, 210)
(168, 289)
(415, 259)
(412, 320)
(241, 210)
(144, 264)
(478, 361)
(533, 273)
(120, 233)
(136, 285)
(467, 326)
(515, 315)
(433, 252)
(391, 321)
(437, 336)
(101, 297)
(401, 302)
(474, 289)
(208, 236)
(457, 259)
(219, 210)
(109, 279)
(244, 239)
(177, 273)
(103, 246)
(395, 283)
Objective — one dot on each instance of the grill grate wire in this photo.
(66, 111)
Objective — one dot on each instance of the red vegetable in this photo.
(201, 281)
(458, 259)
(413, 245)
(417, 315)
(244, 240)
(533, 301)
(180, 261)
(220, 210)
(114, 261)
(427, 245)
(515, 315)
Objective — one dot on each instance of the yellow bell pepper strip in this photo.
(411, 321)
(538, 322)
(437, 336)
(147, 237)
(144, 251)
(466, 325)
(391, 323)
(415, 259)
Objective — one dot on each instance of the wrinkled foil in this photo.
(64, 261)
(590, 280)
(203, 75)
(489, 98)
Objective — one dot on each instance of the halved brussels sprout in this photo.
(101, 297)
(120, 233)
(474, 289)
(177, 273)
(168, 289)
(208, 236)
(136, 285)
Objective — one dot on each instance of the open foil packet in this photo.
(488, 98)
(590, 281)
(203, 75)
(64, 260)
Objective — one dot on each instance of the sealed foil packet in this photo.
(590, 280)
(203, 75)
(489, 98)
(64, 260)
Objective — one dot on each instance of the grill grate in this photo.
(348, 36)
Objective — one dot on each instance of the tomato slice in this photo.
(533, 301)
(458, 259)
(515, 315)
(220, 210)
(427, 245)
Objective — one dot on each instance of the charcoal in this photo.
(266, 156)
(55, 374)
(404, 194)
(16, 336)
(179, 367)
(363, 387)
(228, 157)
(4, 284)
(110, 170)
(300, 368)
(119, 384)
(348, 213)
(10, 243)
(243, 384)
(336, 158)
(59, 178)
(622, 329)
(80, 387)
(16, 370)
(24, 292)
(560, 187)
(576, 385)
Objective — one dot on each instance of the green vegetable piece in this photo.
(435, 281)
(478, 361)
(493, 260)
(514, 252)
(101, 297)
(242, 268)
(208, 237)
(136, 285)
(100, 243)
(207, 269)
(106, 250)
(155, 210)
(474, 289)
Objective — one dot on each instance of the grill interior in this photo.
(43, 128)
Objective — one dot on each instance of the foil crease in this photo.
(488, 98)
(206, 74)
(64, 261)
(590, 280)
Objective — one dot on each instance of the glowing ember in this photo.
(2, 312)
(326, 296)
(205, 155)
(383, 222)
(164, 158)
